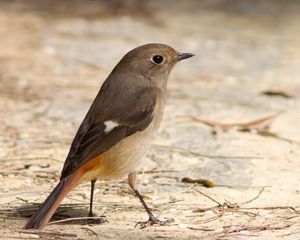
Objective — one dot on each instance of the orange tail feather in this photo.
(47, 209)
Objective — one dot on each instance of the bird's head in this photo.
(153, 61)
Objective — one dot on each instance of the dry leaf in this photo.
(262, 124)
(278, 92)
(205, 182)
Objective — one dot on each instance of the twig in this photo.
(273, 208)
(22, 199)
(259, 124)
(256, 197)
(75, 219)
(219, 204)
(266, 133)
(90, 230)
(189, 188)
(213, 218)
(239, 229)
(201, 229)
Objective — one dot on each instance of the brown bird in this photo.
(118, 128)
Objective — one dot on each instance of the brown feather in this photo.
(47, 209)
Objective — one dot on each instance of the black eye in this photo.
(158, 59)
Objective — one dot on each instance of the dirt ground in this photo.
(54, 55)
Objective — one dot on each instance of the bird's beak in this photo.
(182, 56)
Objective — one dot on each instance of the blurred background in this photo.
(54, 56)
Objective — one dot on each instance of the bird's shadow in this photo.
(69, 213)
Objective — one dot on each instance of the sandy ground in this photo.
(54, 58)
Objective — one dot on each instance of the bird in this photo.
(118, 129)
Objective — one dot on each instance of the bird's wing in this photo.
(95, 137)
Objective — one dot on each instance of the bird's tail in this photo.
(47, 209)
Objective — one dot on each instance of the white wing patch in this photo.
(110, 125)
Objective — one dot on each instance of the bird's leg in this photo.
(152, 220)
(91, 198)
(93, 220)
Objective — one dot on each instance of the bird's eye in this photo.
(157, 59)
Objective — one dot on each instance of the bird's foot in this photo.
(153, 220)
(91, 214)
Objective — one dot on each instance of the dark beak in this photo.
(182, 56)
